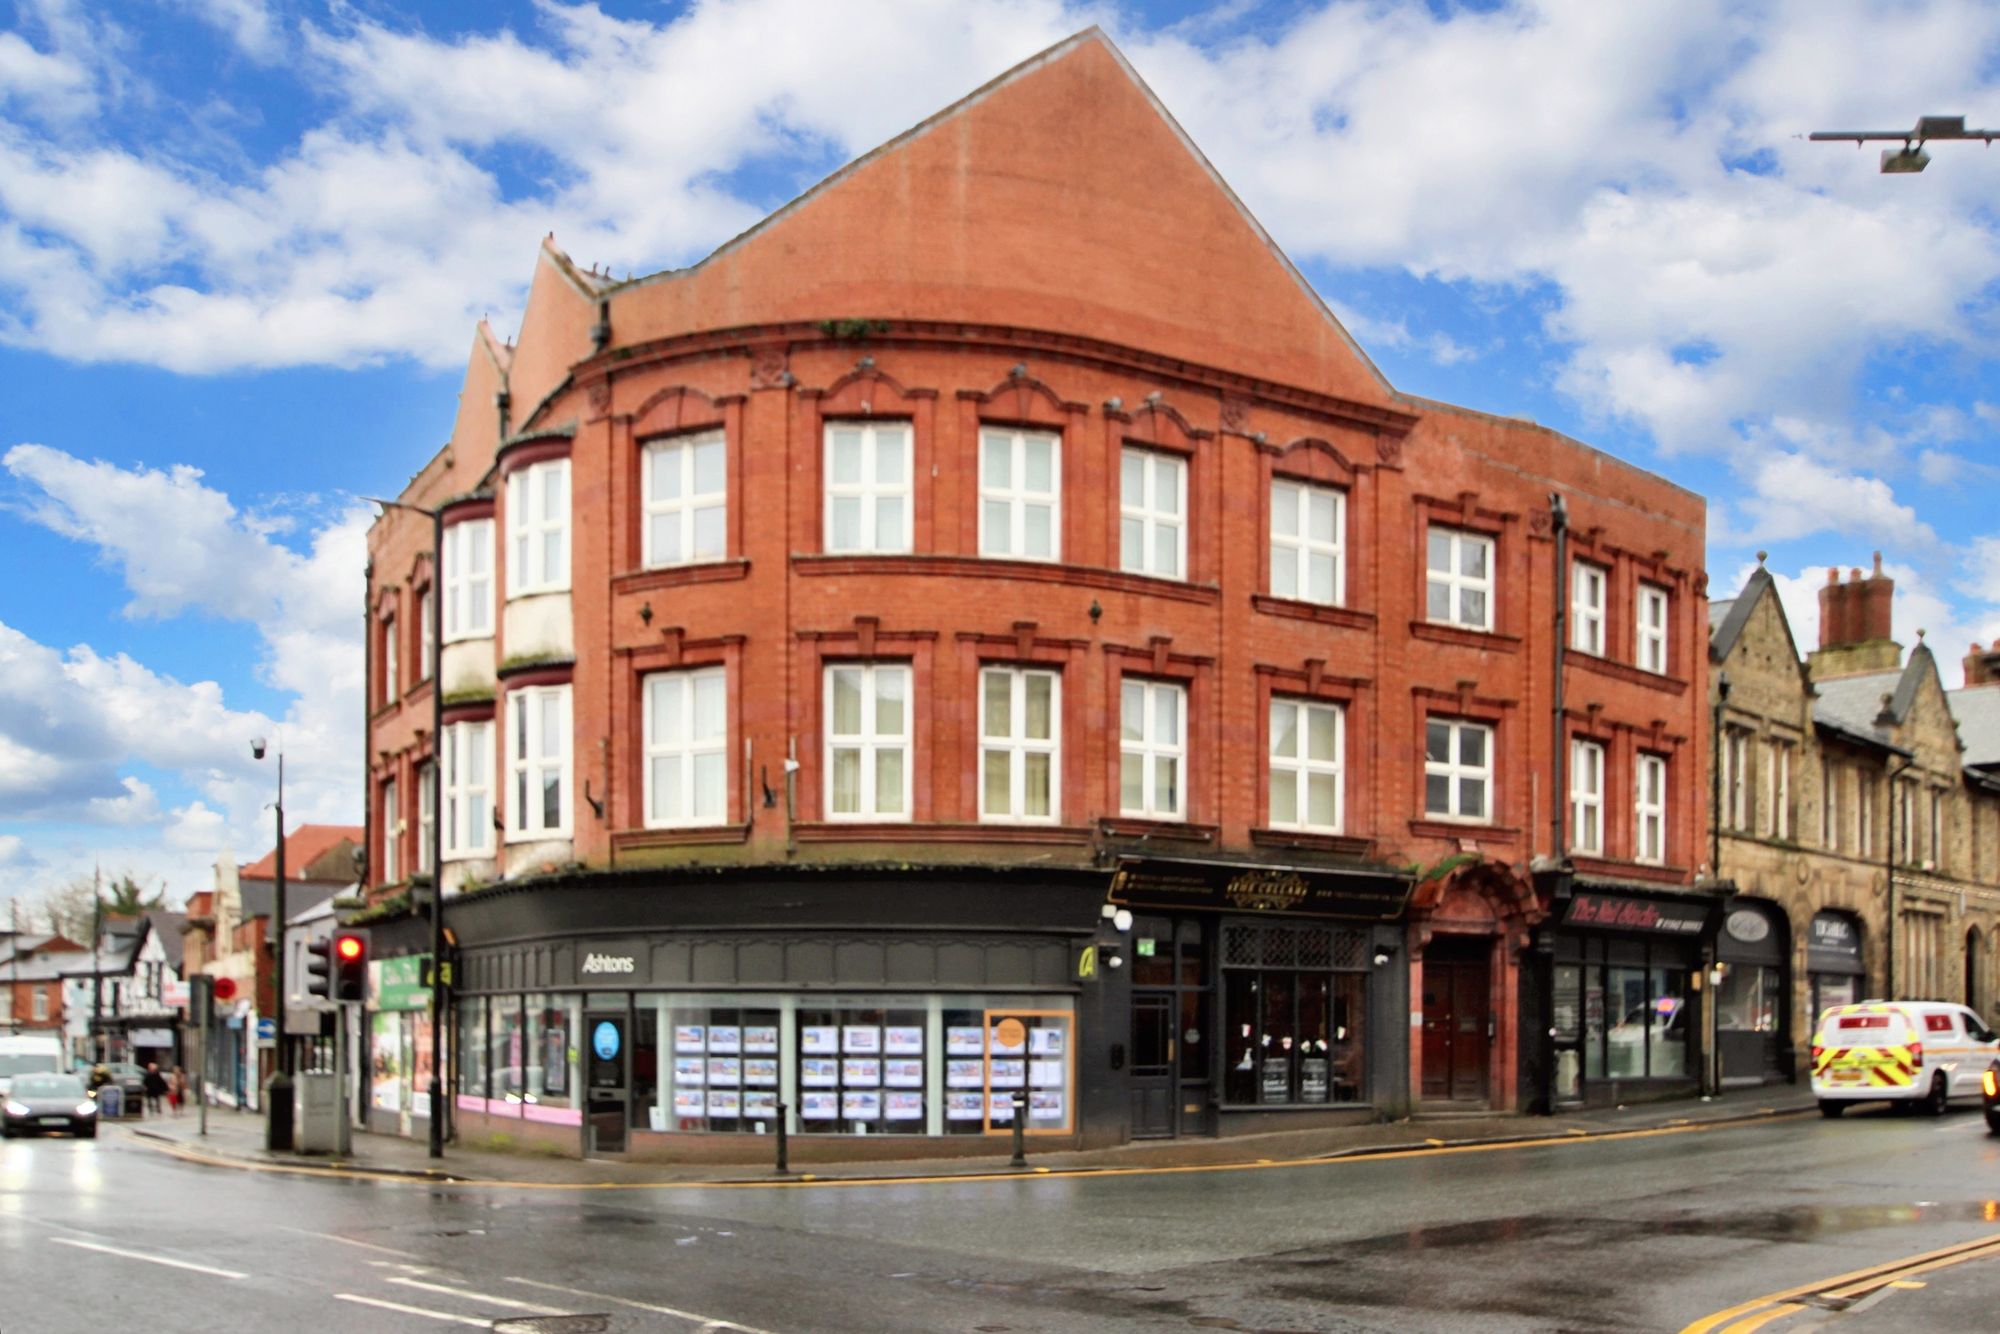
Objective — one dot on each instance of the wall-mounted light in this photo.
(1384, 953)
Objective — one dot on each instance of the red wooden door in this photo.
(1456, 1012)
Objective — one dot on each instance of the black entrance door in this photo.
(606, 1115)
(1457, 1032)
(1170, 1028)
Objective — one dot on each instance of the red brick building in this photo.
(839, 632)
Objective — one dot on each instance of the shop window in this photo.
(538, 761)
(538, 528)
(506, 1054)
(1307, 743)
(1748, 999)
(724, 1074)
(1152, 756)
(468, 790)
(868, 487)
(1458, 770)
(1019, 758)
(867, 743)
(1652, 628)
(1020, 493)
(1308, 524)
(1152, 513)
(1586, 607)
(1626, 1020)
(993, 1054)
(468, 580)
(551, 1077)
(1650, 810)
(687, 732)
(1586, 798)
(860, 1071)
(1459, 578)
(1294, 1014)
(472, 1052)
(686, 500)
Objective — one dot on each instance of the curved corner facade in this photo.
(914, 711)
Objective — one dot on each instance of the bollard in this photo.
(783, 1168)
(1020, 1101)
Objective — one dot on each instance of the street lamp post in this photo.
(278, 1092)
(438, 1011)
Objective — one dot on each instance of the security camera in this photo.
(256, 748)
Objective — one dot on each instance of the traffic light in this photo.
(319, 969)
(350, 965)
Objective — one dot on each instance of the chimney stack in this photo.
(1982, 665)
(1854, 624)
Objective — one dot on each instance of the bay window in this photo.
(468, 580)
(538, 528)
(468, 790)
(538, 761)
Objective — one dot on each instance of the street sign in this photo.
(267, 1030)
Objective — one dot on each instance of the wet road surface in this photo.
(1645, 1232)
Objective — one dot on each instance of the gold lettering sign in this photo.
(1266, 891)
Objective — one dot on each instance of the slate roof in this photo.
(303, 846)
(1977, 709)
(45, 967)
(1718, 612)
(167, 926)
(1851, 704)
(258, 896)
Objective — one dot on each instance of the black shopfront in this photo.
(1623, 993)
(1259, 996)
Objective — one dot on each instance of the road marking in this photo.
(1758, 1311)
(808, 1180)
(149, 1259)
(703, 1321)
(443, 1290)
(447, 1316)
(347, 1241)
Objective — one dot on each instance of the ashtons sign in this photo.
(1365, 893)
(609, 963)
(1619, 914)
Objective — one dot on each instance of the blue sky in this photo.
(243, 244)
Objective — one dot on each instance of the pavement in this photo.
(236, 1139)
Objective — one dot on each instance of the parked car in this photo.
(1989, 1097)
(1911, 1053)
(38, 1104)
(130, 1079)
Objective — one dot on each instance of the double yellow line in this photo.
(1841, 1289)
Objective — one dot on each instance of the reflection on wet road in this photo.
(1649, 1233)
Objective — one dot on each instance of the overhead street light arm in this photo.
(1928, 128)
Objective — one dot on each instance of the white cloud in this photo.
(1919, 606)
(249, 25)
(1794, 495)
(74, 722)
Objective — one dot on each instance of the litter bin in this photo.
(110, 1102)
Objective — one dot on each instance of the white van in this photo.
(1923, 1053)
(28, 1055)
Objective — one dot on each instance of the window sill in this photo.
(1464, 637)
(980, 567)
(627, 840)
(1629, 870)
(677, 576)
(524, 594)
(1344, 845)
(1133, 826)
(1319, 612)
(835, 831)
(1435, 827)
(1619, 671)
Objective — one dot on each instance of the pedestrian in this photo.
(177, 1086)
(155, 1085)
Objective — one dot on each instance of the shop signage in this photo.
(1661, 916)
(1748, 925)
(1289, 891)
(1833, 944)
(613, 963)
(399, 983)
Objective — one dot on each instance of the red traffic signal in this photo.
(350, 965)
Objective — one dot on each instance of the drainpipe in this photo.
(1711, 1064)
(1559, 768)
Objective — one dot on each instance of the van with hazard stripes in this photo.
(1916, 1054)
